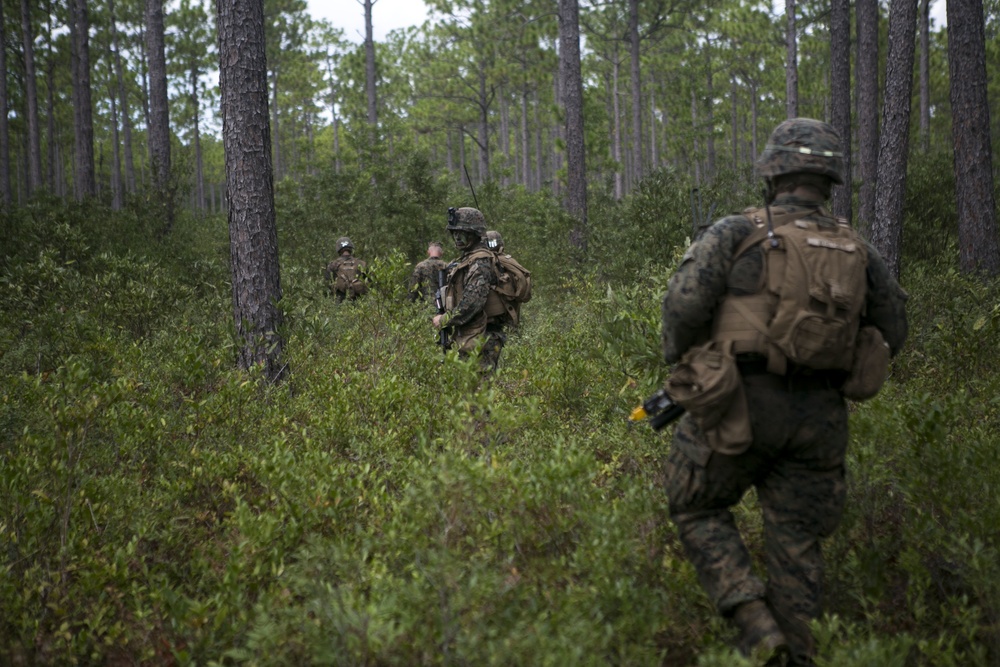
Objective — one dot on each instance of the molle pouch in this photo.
(708, 385)
(870, 367)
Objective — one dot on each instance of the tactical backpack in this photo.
(808, 310)
(513, 288)
(349, 277)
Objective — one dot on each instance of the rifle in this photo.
(441, 310)
(659, 409)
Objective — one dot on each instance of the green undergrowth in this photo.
(385, 506)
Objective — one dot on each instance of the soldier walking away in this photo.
(804, 313)
(346, 275)
(470, 280)
(424, 280)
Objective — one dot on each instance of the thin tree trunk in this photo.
(525, 142)
(85, 179)
(539, 164)
(50, 74)
(370, 69)
(5, 191)
(276, 128)
(840, 57)
(576, 172)
(31, 100)
(159, 127)
(710, 116)
(116, 164)
(887, 232)
(616, 127)
(868, 130)
(483, 127)
(970, 130)
(256, 275)
(695, 156)
(633, 31)
(122, 103)
(733, 89)
(791, 63)
(199, 167)
(925, 76)
(754, 118)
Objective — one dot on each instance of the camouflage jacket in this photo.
(470, 279)
(333, 268)
(424, 280)
(709, 270)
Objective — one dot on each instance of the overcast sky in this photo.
(387, 15)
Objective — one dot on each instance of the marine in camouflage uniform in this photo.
(345, 253)
(798, 420)
(424, 280)
(469, 281)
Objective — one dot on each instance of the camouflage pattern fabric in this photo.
(424, 281)
(796, 460)
(470, 285)
(330, 275)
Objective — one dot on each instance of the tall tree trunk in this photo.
(616, 127)
(50, 76)
(122, 102)
(199, 167)
(5, 192)
(253, 237)
(970, 130)
(633, 33)
(275, 127)
(654, 149)
(576, 171)
(525, 142)
(539, 158)
(868, 132)
(116, 164)
(840, 85)
(370, 69)
(710, 116)
(791, 62)
(505, 135)
(85, 179)
(159, 113)
(887, 232)
(925, 75)
(695, 156)
(754, 118)
(733, 90)
(482, 130)
(31, 100)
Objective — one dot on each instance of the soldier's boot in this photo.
(760, 635)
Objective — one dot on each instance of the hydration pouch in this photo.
(870, 367)
(708, 385)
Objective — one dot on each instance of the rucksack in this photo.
(513, 288)
(349, 277)
(815, 284)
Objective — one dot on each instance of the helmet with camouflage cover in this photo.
(344, 243)
(494, 241)
(802, 145)
(466, 219)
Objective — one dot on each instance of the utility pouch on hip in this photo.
(870, 367)
(708, 385)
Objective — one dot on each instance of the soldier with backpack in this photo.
(513, 282)
(470, 282)
(775, 316)
(345, 276)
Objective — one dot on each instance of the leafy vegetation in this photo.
(384, 507)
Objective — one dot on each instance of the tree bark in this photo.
(887, 231)
(159, 110)
(253, 235)
(85, 180)
(633, 32)
(275, 126)
(5, 191)
(126, 123)
(199, 167)
(840, 84)
(370, 69)
(576, 172)
(925, 76)
(868, 132)
(970, 131)
(791, 62)
(31, 101)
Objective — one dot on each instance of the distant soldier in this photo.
(469, 282)
(424, 280)
(345, 276)
(494, 241)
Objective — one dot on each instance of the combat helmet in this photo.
(344, 243)
(494, 241)
(802, 145)
(466, 219)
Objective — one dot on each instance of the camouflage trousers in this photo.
(796, 464)
(489, 352)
